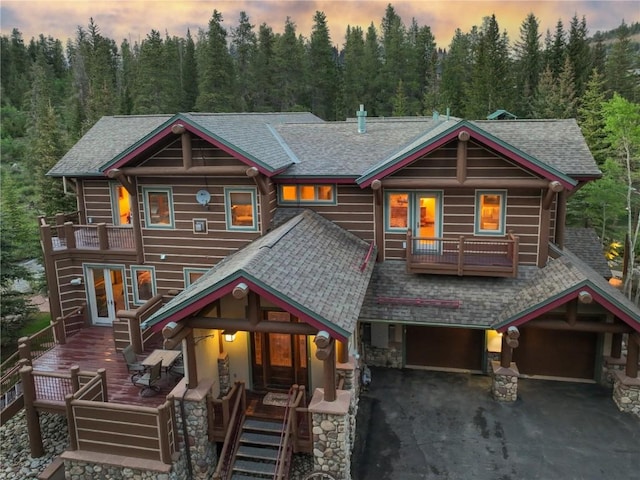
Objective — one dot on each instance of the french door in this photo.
(105, 292)
(427, 221)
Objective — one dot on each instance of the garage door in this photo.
(556, 353)
(445, 347)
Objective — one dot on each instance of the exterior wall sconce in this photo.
(163, 256)
(76, 281)
(229, 335)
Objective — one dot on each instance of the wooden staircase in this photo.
(257, 453)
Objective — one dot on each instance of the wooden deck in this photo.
(93, 348)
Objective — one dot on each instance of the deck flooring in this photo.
(93, 348)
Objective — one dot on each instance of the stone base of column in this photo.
(504, 384)
(626, 393)
(332, 435)
(609, 367)
(224, 377)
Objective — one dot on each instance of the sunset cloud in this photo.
(133, 20)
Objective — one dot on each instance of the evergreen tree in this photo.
(456, 73)
(14, 70)
(151, 90)
(421, 67)
(556, 51)
(528, 64)
(555, 98)
(598, 53)
(323, 83)
(354, 71)
(264, 71)
(394, 66)
(372, 65)
(189, 76)
(399, 101)
(290, 71)
(591, 118)
(620, 66)
(243, 51)
(215, 69)
(579, 53)
(126, 79)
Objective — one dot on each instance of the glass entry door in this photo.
(426, 218)
(105, 293)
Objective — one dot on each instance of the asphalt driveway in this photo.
(416, 424)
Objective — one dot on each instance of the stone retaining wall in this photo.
(626, 393)
(390, 357)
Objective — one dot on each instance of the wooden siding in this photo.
(203, 154)
(97, 200)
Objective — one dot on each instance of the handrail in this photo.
(235, 422)
(284, 449)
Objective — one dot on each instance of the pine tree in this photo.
(620, 64)
(243, 51)
(151, 93)
(528, 64)
(14, 70)
(215, 69)
(290, 70)
(394, 66)
(591, 117)
(399, 101)
(189, 76)
(264, 71)
(598, 53)
(323, 83)
(421, 71)
(126, 79)
(556, 51)
(579, 53)
(353, 70)
(372, 65)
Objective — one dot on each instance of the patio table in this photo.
(168, 358)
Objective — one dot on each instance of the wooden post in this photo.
(326, 353)
(343, 352)
(461, 256)
(461, 157)
(378, 218)
(69, 235)
(60, 219)
(59, 332)
(633, 353)
(616, 345)
(31, 414)
(103, 380)
(163, 433)
(71, 423)
(75, 381)
(253, 308)
(103, 237)
(135, 334)
(24, 349)
(506, 353)
(187, 159)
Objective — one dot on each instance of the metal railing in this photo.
(232, 436)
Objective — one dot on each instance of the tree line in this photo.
(51, 94)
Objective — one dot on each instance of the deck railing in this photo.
(126, 327)
(71, 323)
(289, 432)
(219, 411)
(70, 236)
(231, 438)
(497, 257)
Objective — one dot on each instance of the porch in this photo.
(493, 257)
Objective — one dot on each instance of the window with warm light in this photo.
(121, 205)
(490, 212)
(241, 209)
(158, 207)
(144, 283)
(397, 210)
(307, 194)
(192, 274)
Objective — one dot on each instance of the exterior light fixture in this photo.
(229, 335)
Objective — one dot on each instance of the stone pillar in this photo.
(332, 434)
(610, 366)
(224, 377)
(626, 393)
(504, 385)
(348, 370)
(203, 453)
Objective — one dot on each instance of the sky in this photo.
(134, 19)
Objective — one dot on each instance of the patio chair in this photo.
(177, 368)
(149, 381)
(136, 369)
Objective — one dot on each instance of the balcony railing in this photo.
(86, 237)
(494, 257)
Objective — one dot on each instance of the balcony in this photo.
(493, 257)
(65, 235)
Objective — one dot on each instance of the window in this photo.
(490, 212)
(241, 208)
(120, 205)
(397, 210)
(158, 207)
(193, 274)
(144, 283)
(301, 194)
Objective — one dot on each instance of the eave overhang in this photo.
(392, 165)
(164, 131)
(315, 179)
(599, 296)
(192, 305)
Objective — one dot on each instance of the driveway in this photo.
(416, 424)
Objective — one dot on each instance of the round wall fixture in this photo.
(203, 197)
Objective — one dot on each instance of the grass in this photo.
(36, 323)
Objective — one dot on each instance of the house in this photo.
(288, 251)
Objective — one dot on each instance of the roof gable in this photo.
(444, 133)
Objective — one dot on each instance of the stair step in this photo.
(256, 452)
(260, 439)
(259, 468)
(262, 425)
(242, 476)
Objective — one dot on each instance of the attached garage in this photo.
(444, 347)
(556, 353)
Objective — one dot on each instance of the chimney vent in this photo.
(362, 114)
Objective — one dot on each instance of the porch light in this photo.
(229, 335)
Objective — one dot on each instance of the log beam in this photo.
(554, 187)
(245, 324)
(580, 326)
(461, 157)
(378, 218)
(326, 352)
(415, 183)
(212, 171)
(119, 175)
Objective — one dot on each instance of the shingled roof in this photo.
(309, 263)
(586, 245)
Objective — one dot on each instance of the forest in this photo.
(51, 94)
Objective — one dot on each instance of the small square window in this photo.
(193, 274)
(241, 209)
(398, 210)
(490, 212)
(144, 283)
(158, 206)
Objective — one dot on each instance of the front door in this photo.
(105, 293)
(278, 360)
(426, 222)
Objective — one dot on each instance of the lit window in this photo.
(490, 212)
(241, 209)
(398, 209)
(158, 207)
(121, 205)
(193, 274)
(307, 194)
(144, 284)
